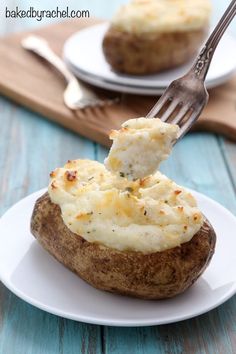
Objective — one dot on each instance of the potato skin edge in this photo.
(152, 276)
(143, 54)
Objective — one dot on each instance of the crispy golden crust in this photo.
(152, 276)
(150, 53)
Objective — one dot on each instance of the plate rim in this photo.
(130, 89)
(103, 321)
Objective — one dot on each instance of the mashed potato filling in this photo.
(147, 215)
(152, 16)
(140, 146)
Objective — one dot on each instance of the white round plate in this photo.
(36, 277)
(84, 56)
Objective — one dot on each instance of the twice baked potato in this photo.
(148, 36)
(156, 275)
(142, 54)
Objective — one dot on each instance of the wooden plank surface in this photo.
(24, 78)
(30, 147)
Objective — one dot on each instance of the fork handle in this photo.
(201, 66)
(39, 46)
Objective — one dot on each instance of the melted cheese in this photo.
(151, 16)
(146, 215)
(140, 146)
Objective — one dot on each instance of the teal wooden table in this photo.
(30, 147)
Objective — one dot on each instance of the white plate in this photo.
(32, 274)
(99, 82)
(83, 54)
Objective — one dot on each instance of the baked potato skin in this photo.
(150, 53)
(158, 275)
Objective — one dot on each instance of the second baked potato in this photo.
(150, 53)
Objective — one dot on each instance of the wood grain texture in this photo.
(205, 334)
(36, 332)
(228, 150)
(23, 78)
(30, 147)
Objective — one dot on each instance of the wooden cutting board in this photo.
(30, 82)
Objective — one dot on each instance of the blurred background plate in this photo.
(83, 54)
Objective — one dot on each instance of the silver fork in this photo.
(185, 98)
(76, 95)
